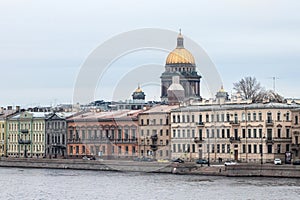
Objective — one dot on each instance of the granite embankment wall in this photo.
(103, 165)
(289, 171)
(241, 170)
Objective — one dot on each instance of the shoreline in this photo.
(240, 170)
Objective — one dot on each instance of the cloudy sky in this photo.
(43, 44)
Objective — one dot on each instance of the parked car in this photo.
(296, 162)
(230, 162)
(201, 161)
(179, 160)
(277, 161)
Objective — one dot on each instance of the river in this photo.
(19, 183)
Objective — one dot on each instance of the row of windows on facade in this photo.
(159, 153)
(17, 126)
(225, 133)
(56, 139)
(56, 125)
(225, 148)
(34, 138)
(99, 134)
(95, 150)
(154, 132)
(161, 142)
(221, 117)
(153, 122)
(16, 148)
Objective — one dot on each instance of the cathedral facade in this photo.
(180, 62)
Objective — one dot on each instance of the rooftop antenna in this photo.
(274, 78)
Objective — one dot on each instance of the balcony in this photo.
(289, 140)
(198, 140)
(21, 141)
(200, 123)
(24, 131)
(124, 141)
(234, 139)
(296, 147)
(270, 123)
(234, 123)
(269, 141)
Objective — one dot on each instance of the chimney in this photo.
(17, 108)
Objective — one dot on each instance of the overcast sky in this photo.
(43, 44)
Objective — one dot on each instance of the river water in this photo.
(17, 183)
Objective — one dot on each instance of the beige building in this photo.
(235, 130)
(154, 129)
(295, 134)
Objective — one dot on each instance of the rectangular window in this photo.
(174, 147)
(174, 133)
(223, 148)
(287, 147)
(278, 148)
(223, 133)
(228, 117)
(249, 148)
(207, 118)
(255, 133)
(207, 133)
(228, 133)
(83, 134)
(244, 133)
(279, 133)
(213, 148)
(260, 116)
(244, 148)
(254, 148)
(188, 119)
(222, 117)
(228, 148)
(287, 133)
(260, 148)
(254, 116)
(249, 133)
(218, 148)
(269, 148)
(193, 118)
(260, 133)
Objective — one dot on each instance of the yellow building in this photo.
(26, 134)
(4, 113)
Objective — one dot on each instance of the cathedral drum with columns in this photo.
(180, 62)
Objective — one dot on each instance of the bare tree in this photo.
(248, 86)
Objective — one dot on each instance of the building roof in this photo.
(160, 109)
(252, 106)
(106, 116)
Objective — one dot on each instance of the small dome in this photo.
(138, 89)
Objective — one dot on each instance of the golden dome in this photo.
(138, 89)
(180, 54)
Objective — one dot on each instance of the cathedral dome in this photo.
(180, 54)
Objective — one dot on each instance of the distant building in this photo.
(26, 134)
(4, 114)
(56, 134)
(111, 134)
(154, 132)
(180, 62)
(233, 130)
(295, 135)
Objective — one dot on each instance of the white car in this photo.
(277, 161)
(231, 162)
